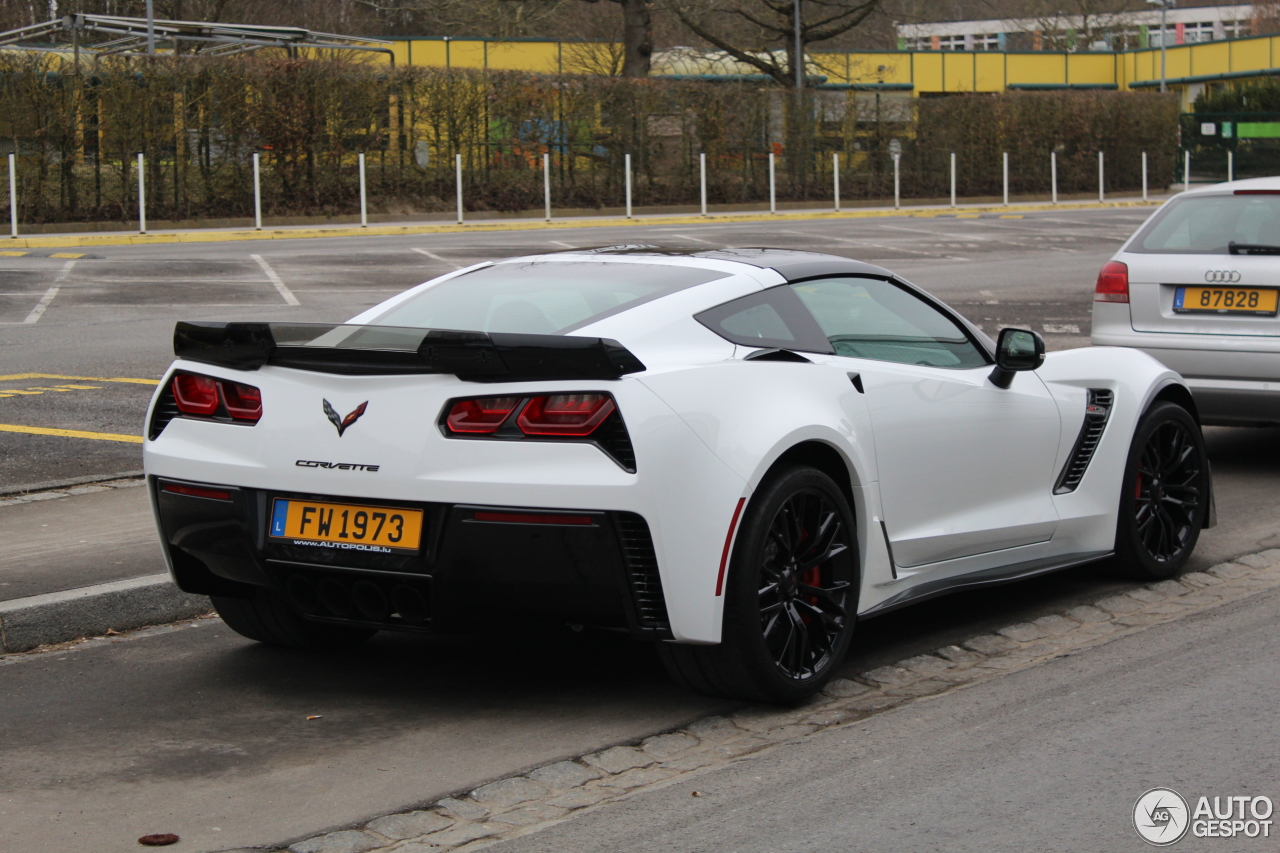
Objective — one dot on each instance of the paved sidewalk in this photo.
(209, 235)
(83, 561)
(66, 539)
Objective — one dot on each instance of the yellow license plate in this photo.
(1225, 300)
(381, 529)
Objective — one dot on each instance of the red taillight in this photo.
(195, 395)
(204, 396)
(565, 414)
(1113, 283)
(243, 402)
(197, 491)
(483, 415)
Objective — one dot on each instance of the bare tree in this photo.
(753, 31)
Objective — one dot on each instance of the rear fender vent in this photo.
(612, 437)
(166, 410)
(1097, 411)
(642, 575)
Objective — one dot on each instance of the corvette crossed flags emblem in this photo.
(340, 422)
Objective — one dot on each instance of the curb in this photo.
(57, 617)
(532, 225)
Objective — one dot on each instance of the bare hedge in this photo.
(199, 121)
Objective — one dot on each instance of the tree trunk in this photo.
(637, 37)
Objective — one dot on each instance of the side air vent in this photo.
(1095, 421)
(613, 438)
(642, 574)
(165, 411)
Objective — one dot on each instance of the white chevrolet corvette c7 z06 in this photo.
(735, 454)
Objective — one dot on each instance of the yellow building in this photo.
(1189, 67)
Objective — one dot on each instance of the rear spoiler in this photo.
(355, 350)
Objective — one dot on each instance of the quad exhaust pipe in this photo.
(363, 600)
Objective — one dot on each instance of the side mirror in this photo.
(1017, 349)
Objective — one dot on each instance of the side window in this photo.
(771, 318)
(868, 318)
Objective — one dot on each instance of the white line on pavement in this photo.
(436, 257)
(289, 298)
(562, 243)
(38, 311)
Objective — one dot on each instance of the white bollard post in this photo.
(702, 167)
(835, 179)
(1186, 171)
(953, 179)
(457, 177)
(897, 199)
(1231, 165)
(1102, 187)
(364, 206)
(13, 198)
(627, 166)
(1144, 176)
(546, 184)
(1053, 175)
(773, 196)
(142, 195)
(1006, 178)
(257, 191)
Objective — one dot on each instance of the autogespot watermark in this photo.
(1163, 817)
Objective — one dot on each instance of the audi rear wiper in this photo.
(1252, 248)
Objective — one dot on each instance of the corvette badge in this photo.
(340, 422)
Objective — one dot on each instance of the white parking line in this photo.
(289, 298)
(38, 311)
(436, 257)
(562, 243)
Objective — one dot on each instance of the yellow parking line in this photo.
(72, 433)
(967, 215)
(14, 254)
(75, 256)
(1012, 216)
(13, 377)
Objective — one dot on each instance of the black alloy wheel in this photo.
(1165, 494)
(791, 595)
(803, 607)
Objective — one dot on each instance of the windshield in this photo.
(1206, 224)
(541, 297)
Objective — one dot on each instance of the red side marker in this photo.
(728, 543)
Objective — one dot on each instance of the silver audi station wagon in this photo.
(1196, 287)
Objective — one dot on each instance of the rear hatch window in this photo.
(1208, 224)
(541, 297)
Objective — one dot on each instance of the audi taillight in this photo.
(565, 414)
(482, 415)
(206, 397)
(1113, 283)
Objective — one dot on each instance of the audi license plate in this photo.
(348, 527)
(1225, 300)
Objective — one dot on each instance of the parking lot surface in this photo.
(197, 731)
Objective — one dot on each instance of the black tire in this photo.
(1164, 495)
(268, 618)
(791, 600)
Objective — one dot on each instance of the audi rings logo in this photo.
(1222, 276)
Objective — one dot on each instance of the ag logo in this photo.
(1161, 816)
(340, 422)
(1222, 276)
